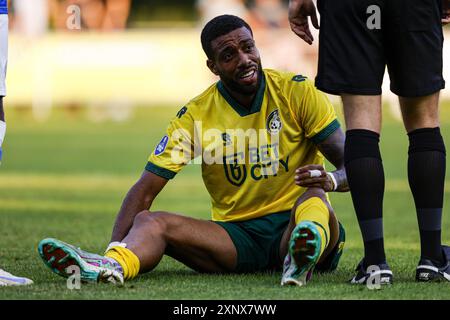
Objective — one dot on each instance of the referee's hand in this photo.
(299, 11)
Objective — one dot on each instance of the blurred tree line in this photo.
(162, 11)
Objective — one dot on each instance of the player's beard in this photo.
(245, 90)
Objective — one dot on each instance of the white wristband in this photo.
(333, 179)
(2, 131)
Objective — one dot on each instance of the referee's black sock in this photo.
(365, 175)
(426, 174)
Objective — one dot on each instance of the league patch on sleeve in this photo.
(3, 7)
(161, 146)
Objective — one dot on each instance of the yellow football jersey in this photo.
(249, 156)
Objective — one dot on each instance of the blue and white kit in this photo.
(3, 44)
(3, 59)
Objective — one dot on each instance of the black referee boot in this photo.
(429, 271)
(377, 274)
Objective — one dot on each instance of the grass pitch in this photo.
(66, 178)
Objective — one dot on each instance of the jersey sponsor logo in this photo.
(161, 146)
(236, 173)
(266, 170)
(273, 123)
(232, 147)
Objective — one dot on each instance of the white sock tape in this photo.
(331, 175)
(2, 131)
(315, 173)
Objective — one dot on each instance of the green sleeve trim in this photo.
(159, 171)
(326, 132)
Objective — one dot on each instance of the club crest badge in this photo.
(274, 122)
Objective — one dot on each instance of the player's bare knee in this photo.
(157, 221)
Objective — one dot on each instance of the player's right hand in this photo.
(299, 11)
(303, 178)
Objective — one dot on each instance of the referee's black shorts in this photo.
(353, 52)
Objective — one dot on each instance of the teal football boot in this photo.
(65, 259)
(303, 254)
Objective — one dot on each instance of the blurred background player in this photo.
(208, 9)
(6, 279)
(283, 210)
(105, 15)
(30, 18)
(353, 55)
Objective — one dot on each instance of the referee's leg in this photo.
(426, 170)
(365, 171)
(415, 66)
(351, 64)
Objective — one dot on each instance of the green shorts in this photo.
(257, 241)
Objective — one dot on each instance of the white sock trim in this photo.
(115, 244)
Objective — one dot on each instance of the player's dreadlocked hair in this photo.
(220, 26)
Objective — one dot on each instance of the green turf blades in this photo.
(72, 185)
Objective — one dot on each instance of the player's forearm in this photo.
(333, 149)
(340, 178)
(135, 201)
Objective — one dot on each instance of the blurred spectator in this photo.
(29, 17)
(95, 14)
(209, 9)
(269, 13)
(116, 15)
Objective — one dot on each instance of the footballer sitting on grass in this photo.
(261, 137)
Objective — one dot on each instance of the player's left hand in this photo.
(303, 178)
